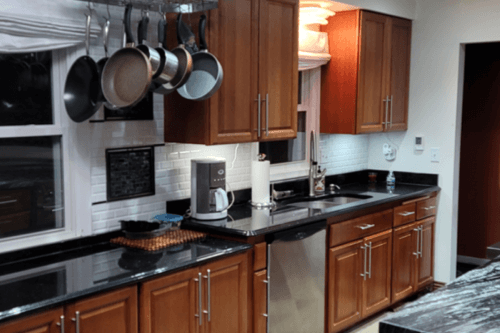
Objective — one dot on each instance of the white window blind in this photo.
(42, 25)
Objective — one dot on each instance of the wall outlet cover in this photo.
(434, 154)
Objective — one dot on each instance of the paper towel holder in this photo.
(264, 205)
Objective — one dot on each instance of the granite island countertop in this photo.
(245, 221)
(56, 279)
(469, 304)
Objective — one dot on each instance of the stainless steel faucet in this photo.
(314, 175)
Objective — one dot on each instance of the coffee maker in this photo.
(208, 189)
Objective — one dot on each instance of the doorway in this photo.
(479, 179)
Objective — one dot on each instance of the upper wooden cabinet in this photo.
(365, 86)
(256, 42)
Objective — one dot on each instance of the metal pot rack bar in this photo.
(164, 6)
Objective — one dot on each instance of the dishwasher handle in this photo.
(298, 234)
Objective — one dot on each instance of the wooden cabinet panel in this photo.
(425, 264)
(404, 214)
(373, 66)
(170, 304)
(404, 262)
(114, 312)
(260, 302)
(260, 256)
(234, 37)
(278, 67)
(226, 295)
(360, 227)
(344, 286)
(426, 208)
(45, 322)
(400, 74)
(377, 286)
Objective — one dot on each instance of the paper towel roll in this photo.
(260, 182)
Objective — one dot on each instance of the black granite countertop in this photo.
(469, 304)
(246, 221)
(56, 279)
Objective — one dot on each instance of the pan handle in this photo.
(203, 24)
(162, 29)
(87, 33)
(105, 38)
(142, 30)
(179, 19)
(126, 22)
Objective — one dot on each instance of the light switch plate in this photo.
(434, 154)
(419, 143)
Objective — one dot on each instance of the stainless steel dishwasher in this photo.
(296, 275)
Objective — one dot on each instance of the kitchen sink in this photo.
(324, 203)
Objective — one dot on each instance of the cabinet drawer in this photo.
(14, 222)
(426, 208)
(14, 201)
(360, 227)
(404, 214)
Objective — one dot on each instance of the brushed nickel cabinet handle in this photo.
(7, 202)
(418, 242)
(391, 110)
(364, 247)
(267, 114)
(208, 312)
(258, 115)
(366, 226)
(198, 315)
(61, 324)
(421, 240)
(386, 101)
(429, 208)
(77, 321)
(407, 213)
(370, 261)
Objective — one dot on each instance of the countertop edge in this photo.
(26, 310)
(246, 234)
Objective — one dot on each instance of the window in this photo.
(33, 164)
(290, 158)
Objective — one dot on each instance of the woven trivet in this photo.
(171, 238)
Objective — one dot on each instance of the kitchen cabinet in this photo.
(365, 86)
(115, 312)
(256, 42)
(45, 322)
(359, 280)
(413, 258)
(218, 292)
(260, 287)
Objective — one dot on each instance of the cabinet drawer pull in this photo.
(418, 242)
(61, 324)
(406, 213)
(7, 202)
(421, 240)
(429, 208)
(370, 261)
(364, 247)
(366, 226)
(390, 124)
(267, 114)
(258, 115)
(207, 312)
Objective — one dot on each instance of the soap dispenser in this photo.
(391, 181)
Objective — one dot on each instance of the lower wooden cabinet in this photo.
(45, 322)
(413, 258)
(113, 312)
(359, 280)
(260, 286)
(174, 303)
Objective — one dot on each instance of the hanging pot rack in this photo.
(164, 6)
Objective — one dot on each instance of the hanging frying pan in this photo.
(127, 75)
(151, 53)
(170, 62)
(184, 68)
(207, 74)
(102, 62)
(81, 91)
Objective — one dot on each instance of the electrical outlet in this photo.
(434, 154)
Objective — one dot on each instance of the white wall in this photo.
(441, 26)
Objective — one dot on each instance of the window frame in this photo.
(311, 95)
(63, 128)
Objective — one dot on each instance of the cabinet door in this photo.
(170, 304)
(425, 264)
(404, 261)
(346, 264)
(377, 286)
(373, 80)
(260, 301)
(278, 67)
(225, 289)
(234, 41)
(114, 312)
(45, 322)
(400, 74)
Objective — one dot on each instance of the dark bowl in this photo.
(139, 226)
